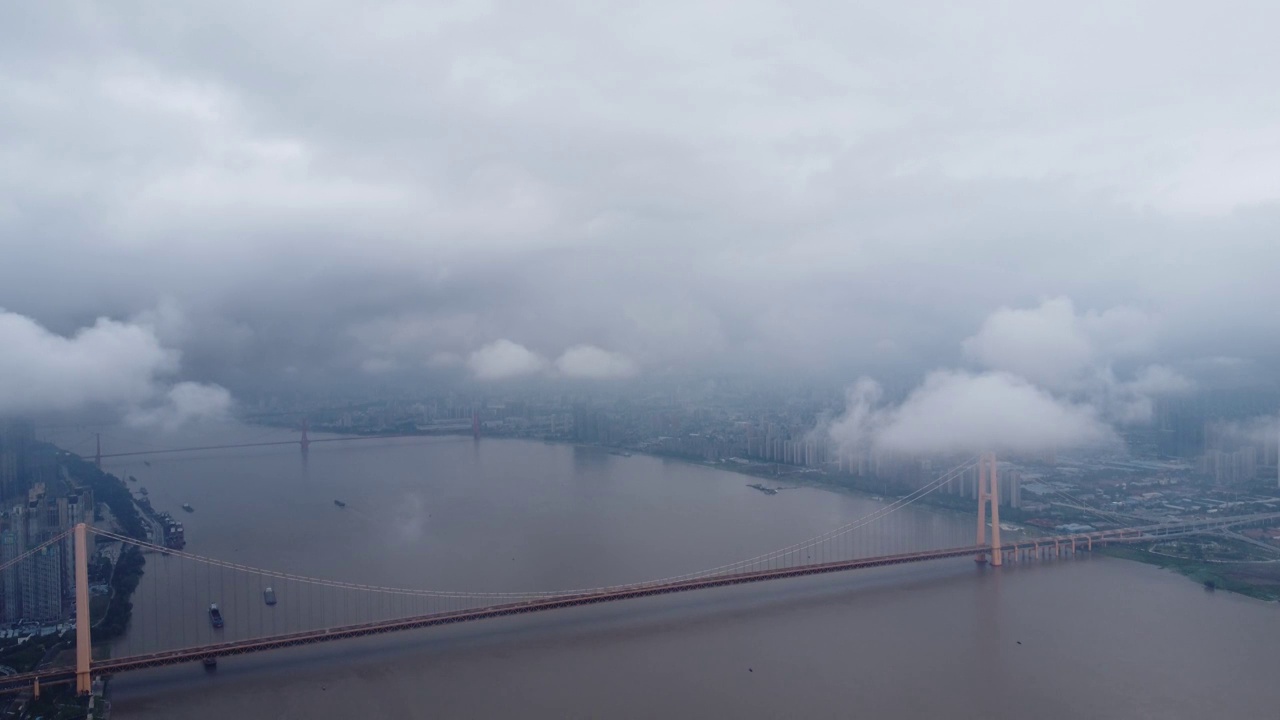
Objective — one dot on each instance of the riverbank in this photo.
(125, 573)
(1260, 580)
(1253, 579)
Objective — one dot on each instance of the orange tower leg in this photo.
(989, 493)
(83, 645)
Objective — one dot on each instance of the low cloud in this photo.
(1048, 345)
(107, 363)
(184, 403)
(1071, 354)
(1045, 381)
(955, 411)
(961, 412)
(118, 365)
(504, 359)
(1261, 431)
(589, 361)
(1056, 347)
(1161, 380)
(1133, 402)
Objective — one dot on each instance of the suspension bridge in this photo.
(304, 441)
(245, 609)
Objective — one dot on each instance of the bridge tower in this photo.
(989, 493)
(97, 455)
(84, 646)
(305, 442)
(475, 424)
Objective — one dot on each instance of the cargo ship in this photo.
(215, 615)
(174, 535)
(269, 595)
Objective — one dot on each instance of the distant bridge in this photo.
(304, 441)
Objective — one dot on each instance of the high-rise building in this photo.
(39, 588)
(1230, 467)
(1008, 479)
(16, 439)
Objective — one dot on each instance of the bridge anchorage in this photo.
(260, 609)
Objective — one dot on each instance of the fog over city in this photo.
(1014, 210)
(752, 359)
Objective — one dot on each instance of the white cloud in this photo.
(108, 363)
(1133, 402)
(589, 361)
(1071, 354)
(118, 365)
(1053, 346)
(183, 403)
(857, 427)
(504, 359)
(1047, 382)
(956, 411)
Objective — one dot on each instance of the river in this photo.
(1089, 637)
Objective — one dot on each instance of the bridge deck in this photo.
(239, 647)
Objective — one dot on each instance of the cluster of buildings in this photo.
(1236, 452)
(1195, 444)
(1232, 437)
(38, 502)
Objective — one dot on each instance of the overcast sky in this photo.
(250, 192)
